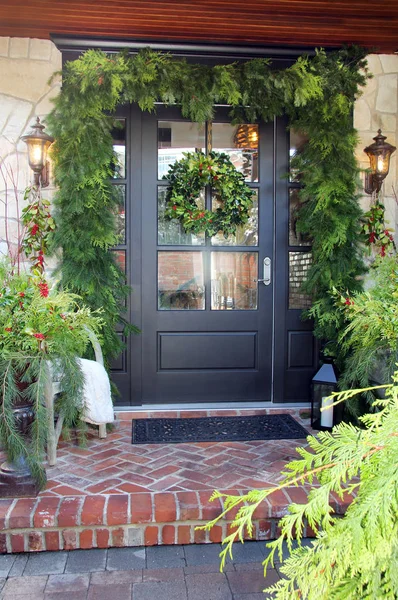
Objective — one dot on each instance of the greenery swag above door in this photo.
(316, 93)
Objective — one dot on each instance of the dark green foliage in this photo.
(369, 339)
(316, 93)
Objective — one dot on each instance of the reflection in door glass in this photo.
(119, 148)
(246, 235)
(120, 258)
(296, 238)
(180, 281)
(299, 265)
(234, 280)
(297, 142)
(175, 138)
(120, 194)
(240, 142)
(171, 232)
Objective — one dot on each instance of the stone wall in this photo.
(378, 109)
(26, 66)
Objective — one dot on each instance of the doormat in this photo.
(217, 429)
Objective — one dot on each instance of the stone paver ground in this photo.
(169, 572)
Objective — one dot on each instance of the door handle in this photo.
(266, 280)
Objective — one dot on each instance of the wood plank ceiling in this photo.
(370, 23)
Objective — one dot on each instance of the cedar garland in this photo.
(317, 93)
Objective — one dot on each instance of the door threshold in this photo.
(212, 406)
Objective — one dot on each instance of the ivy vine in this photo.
(316, 93)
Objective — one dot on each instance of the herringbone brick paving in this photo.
(115, 466)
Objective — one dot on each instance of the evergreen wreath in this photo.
(188, 176)
(317, 95)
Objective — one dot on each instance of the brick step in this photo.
(137, 519)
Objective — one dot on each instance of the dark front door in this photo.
(207, 322)
(210, 331)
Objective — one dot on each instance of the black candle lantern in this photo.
(324, 383)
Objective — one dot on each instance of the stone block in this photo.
(389, 62)
(384, 122)
(24, 78)
(362, 116)
(208, 585)
(46, 563)
(40, 49)
(19, 47)
(203, 554)
(124, 559)
(19, 565)
(169, 590)
(18, 120)
(135, 536)
(86, 561)
(4, 45)
(68, 583)
(28, 587)
(371, 85)
(387, 94)
(165, 557)
(46, 105)
(6, 563)
(374, 64)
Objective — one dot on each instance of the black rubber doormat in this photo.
(217, 429)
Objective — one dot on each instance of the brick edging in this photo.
(141, 518)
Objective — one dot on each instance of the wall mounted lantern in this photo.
(324, 383)
(38, 144)
(379, 155)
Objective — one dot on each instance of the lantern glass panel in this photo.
(319, 391)
(37, 153)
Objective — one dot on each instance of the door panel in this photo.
(207, 324)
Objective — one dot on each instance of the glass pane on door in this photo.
(120, 194)
(240, 142)
(234, 280)
(299, 265)
(246, 235)
(171, 232)
(175, 138)
(297, 142)
(180, 281)
(119, 148)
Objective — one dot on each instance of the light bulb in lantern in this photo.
(379, 154)
(38, 144)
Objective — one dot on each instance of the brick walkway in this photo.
(172, 573)
(115, 466)
(115, 494)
